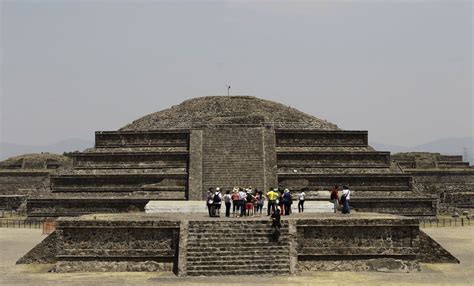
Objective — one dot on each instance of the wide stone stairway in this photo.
(236, 248)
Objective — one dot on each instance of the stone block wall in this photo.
(11, 202)
(141, 139)
(123, 245)
(337, 239)
(131, 160)
(29, 183)
(200, 246)
(293, 138)
(233, 156)
(410, 206)
(358, 183)
(299, 160)
(75, 206)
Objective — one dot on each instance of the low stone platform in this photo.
(193, 244)
(200, 207)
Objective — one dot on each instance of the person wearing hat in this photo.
(286, 198)
(235, 201)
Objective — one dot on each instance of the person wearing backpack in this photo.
(217, 201)
(345, 198)
(227, 200)
(235, 201)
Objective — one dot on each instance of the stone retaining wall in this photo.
(196, 245)
(11, 202)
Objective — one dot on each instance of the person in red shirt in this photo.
(335, 197)
(235, 200)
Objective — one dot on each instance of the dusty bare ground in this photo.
(460, 241)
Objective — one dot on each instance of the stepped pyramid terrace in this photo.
(179, 153)
(28, 176)
(447, 177)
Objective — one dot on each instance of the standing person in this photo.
(249, 202)
(286, 201)
(272, 196)
(210, 202)
(242, 200)
(335, 197)
(280, 201)
(260, 201)
(345, 199)
(217, 201)
(276, 224)
(227, 200)
(301, 197)
(235, 200)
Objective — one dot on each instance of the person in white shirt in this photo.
(345, 198)
(301, 202)
(217, 201)
(243, 199)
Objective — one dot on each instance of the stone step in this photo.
(230, 252)
(248, 245)
(235, 236)
(249, 227)
(249, 263)
(199, 240)
(274, 266)
(224, 230)
(238, 258)
(233, 271)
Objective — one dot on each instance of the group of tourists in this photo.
(250, 202)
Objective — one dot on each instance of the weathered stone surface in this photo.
(444, 176)
(433, 252)
(44, 252)
(28, 176)
(227, 110)
(181, 152)
(191, 244)
(379, 264)
(112, 266)
(11, 202)
(233, 156)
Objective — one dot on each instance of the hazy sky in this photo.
(401, 70)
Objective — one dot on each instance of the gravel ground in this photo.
(15, 242)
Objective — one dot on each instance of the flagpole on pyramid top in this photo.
(228, 90)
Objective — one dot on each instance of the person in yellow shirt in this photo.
(272, 197)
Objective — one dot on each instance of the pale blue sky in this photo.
(401, 70)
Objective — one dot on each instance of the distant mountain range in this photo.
(450, 146)
(8, 150)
